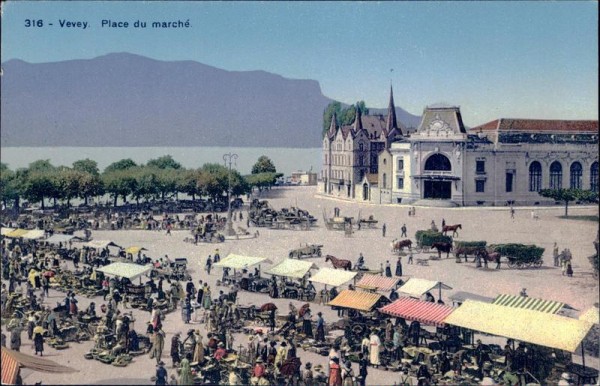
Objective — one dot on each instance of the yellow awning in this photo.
(34, 234)
(134, 250)
(357, 300)
(523, 325)
(334, 277)
(240, 262)
(291, 268)
(5, 231)
(591, 315)
(17, 233)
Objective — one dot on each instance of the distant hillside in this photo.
(129, 100)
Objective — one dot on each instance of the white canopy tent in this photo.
(333, 277)
(291, 268)
(61, 238)
(5, 230)
(100, 244)
(240, 262)
(417, 287)
(128, 270)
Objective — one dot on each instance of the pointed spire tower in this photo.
(357, 121)
(392, 123)
(332, 126)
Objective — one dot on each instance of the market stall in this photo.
(133, 250)
(418, 287)
(240, 262)
(428, 313)
(34, 234)
(17, 233)
(126, 270)
(358, 300)
(378, 282)
(294, 269)
(534, 304)
(12, 361)
(100, 244)
(459, 297)
(58, 238)
(5, 231)
(332, 277)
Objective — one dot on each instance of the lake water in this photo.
(286, 160)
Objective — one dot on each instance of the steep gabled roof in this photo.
(332, 127)
(539, 126)
(392, 122)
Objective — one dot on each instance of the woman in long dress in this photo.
(206, 299)
(199, 349)
(399, 266)
(388, 269)
(38, 340)
(375, 345)
(185, 378)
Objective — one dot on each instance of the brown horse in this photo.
(442, 247)
(453, 228)
(339, 263)
(399, 245)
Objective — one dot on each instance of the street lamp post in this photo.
(229, 158)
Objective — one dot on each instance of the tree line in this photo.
(159, 178)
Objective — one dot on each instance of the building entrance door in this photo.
(438, 190)
(365, 191)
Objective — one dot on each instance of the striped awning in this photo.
(428, 313)
(377, 282)
(357, 300)
(534, 304)
(535, 327)
(10, 368)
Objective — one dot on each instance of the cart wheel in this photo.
(511, 263)
(310, 296)
(538, 263)
(319, 253)
(528, 264)
(519, 264)
(358, 329)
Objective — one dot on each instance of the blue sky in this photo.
(494, 59)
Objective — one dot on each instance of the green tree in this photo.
(164, 162)
(123, 164)
(333, 107)
(87, 166)
(9, 186)
(37, 186)
(188, 182)
(262, 180)
(120, 183)
(263, 165)
(568, 195)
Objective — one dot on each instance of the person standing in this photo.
(15, 339)
(206, 298)
(161, 374)
(307, 324)
(38, 340)
(175, 349)
(383, 229)
(186, 311)
(320, 327)
(410, 256)
(512, 212)
(399, 266)
(347, 373)
(335, 373)
(569, 268)
(403, 229)
(555, 255)
(198, 349)
(208, 265)
(158, 346)
(185, 376)
(217, 256)
(363, 371)
(374, 348)
(388, 269)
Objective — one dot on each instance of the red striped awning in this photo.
(378, 282)
(418, 310)
(10, 369)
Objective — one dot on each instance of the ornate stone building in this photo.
(503, 162)
(350, 153)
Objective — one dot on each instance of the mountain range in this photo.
(123, 99)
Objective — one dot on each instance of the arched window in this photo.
(438, 162)
(576, 173)
(360, 146)
(555, 175)
(594, 177)
(535, 177)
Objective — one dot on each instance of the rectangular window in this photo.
(480, 167)
(400, 184)
(400, 164)
(479, 186)
(509, 182)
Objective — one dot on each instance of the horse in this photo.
(453, 228)
(399, 245)
(339, 263)
(442, 247)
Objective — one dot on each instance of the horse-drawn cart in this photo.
(427, 238)
(520, 255)
(309, 250)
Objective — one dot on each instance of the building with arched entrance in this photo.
(506, 161)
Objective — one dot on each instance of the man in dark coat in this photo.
(175, 349)
(161, 374)
(15, 339)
